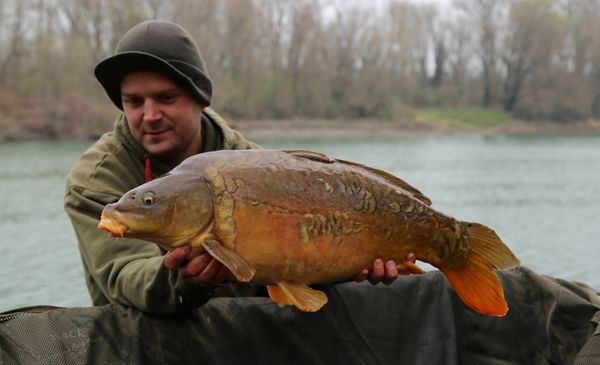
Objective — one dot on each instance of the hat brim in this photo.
(111, 71)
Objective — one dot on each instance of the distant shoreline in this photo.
(300, 128)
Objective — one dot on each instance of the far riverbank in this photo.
(301, 128)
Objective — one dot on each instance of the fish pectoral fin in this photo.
(301, 296)
(242, 271)
(315, 156)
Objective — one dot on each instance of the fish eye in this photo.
(131, 197)
(148, 198)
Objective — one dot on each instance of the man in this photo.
(159, 80)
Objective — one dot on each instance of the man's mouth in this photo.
(156, 133)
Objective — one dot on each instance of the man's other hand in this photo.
(202, 269)
(385, 273)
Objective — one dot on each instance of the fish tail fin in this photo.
(476, 282)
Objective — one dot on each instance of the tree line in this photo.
(276, 59)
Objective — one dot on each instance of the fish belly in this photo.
(307, 248)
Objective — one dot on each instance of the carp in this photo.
(288, 219)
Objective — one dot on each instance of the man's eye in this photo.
(132, 101)
(167, 98)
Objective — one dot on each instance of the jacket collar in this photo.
(123, 134)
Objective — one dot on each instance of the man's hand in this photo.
(202, 269)
(383, 273)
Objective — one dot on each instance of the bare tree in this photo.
(460, 57)
(87, 20)
(486, 18)
(14, 39)
(304, 18)
(438, 35)
(582, 52)
(533, 33)
(408, 49)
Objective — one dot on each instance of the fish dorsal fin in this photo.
(301, 296)
(321, 157)
(315, 156)
(234, 262)
(394, 180)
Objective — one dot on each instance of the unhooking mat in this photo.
(416, 320)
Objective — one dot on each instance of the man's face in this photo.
(162, 117)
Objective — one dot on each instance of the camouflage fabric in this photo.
(590, 353)
(416, 320)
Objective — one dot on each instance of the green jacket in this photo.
(129, 271)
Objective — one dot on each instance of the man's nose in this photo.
(151, 110)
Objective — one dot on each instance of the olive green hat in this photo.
(157, 46)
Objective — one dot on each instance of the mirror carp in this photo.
(289, 219)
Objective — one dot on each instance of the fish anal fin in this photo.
(315, 156)
(301, 296)
(242, 271)
(476, 281)
(278, 296)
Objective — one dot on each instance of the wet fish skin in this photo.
(290, 219)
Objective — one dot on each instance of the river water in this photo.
(541, 194)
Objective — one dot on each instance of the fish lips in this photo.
(112, 226)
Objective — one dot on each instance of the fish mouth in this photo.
(112, 226)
